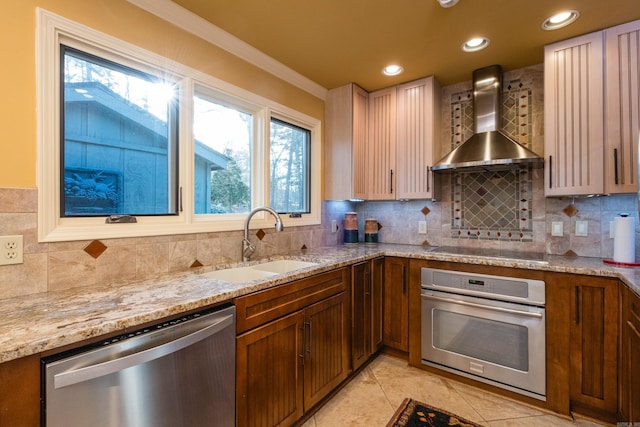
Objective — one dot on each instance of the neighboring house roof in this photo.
(95, 92)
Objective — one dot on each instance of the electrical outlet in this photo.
(422, 227)
(11, 249)
(556, 228)
(582, 228)
(334, 226)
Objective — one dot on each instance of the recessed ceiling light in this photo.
(392, 70)
(447, 3)
(475, 44)
(560, 20)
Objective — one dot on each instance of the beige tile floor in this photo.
(371, 398)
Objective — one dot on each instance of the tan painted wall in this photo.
(120, 19)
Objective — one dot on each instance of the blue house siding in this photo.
(125, 148)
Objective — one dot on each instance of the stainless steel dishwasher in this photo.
(178, 373)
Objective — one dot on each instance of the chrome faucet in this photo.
(249, 248)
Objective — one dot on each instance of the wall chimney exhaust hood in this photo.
(488, 148)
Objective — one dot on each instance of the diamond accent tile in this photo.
(570, 211)
(95, 248)
(425, 211)
(260, 234)
(303, 247)
(196, 263)
(570, 253)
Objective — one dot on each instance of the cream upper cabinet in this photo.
(574, 116)
(379, 145)
(417, 128)
(622, 107)
(346, 128)
(381, 158)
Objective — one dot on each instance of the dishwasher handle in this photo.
(87, 373)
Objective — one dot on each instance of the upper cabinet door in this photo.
(346, 116)
(417, 116)
(622, 107)
(574, 116)
(382, 145)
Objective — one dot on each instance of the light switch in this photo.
(556, 228)
(582, 228)
(422, 227)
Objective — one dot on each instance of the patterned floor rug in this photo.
(415, 414)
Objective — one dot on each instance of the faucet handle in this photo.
(248, 249)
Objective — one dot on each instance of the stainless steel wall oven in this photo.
(490, 328)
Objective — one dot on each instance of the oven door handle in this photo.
(486, 307)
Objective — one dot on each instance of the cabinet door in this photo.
(594, 346)
(417, 130)
(346, 115)
(622, 89)
(377, 281)
(20, 392)
(630, 372)
(360, 314)
(381, 175)
(396, 304)
(269, 381)
(326, 353)
(366, 310)
(634, 374)
(574, 116)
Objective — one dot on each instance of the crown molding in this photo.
(198, 26)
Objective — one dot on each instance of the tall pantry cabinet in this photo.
(592, 112)
(391, 159)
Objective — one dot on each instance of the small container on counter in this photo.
(351, 227)
(371, 230)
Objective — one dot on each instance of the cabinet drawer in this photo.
(259, 308)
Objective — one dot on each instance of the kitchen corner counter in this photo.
(36, 323)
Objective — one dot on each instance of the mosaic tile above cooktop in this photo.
(492, 205)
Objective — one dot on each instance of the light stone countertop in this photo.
(36, 323)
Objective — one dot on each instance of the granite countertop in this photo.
(36, 323)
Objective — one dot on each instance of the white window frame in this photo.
(52, 30)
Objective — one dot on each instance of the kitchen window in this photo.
(124, 132)
(118, 139)
(290, 167)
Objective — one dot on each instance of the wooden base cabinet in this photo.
(292, 349)
(630, 369)
(366, 310)
(269, 373)
(396, 304)
(586, 312)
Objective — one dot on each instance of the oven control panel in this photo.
(501, 287)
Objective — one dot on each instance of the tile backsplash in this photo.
(492, 205)
(63, 265)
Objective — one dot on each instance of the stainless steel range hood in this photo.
(488, 148)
